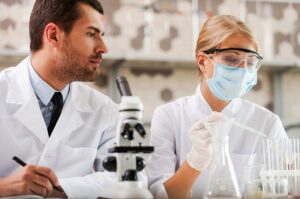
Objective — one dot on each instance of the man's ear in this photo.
(200, 61)
(52, 35)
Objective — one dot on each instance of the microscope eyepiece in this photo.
(123, 86)
(140, 129)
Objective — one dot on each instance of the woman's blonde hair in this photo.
(218, 28)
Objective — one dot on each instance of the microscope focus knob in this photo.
(140, 163)
(130, 175)
(110, 163)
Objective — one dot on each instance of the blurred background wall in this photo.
(152, 42)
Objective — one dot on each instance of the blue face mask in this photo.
(228, 83)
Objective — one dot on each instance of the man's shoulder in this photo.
(94, 97)
(4, 74)
(11, 71)
(8, 77)
(88, 90)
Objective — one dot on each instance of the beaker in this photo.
(253, 182)
(222, 181)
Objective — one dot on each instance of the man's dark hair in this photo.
(61, 12)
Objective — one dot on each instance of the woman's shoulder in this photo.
(259, 118)
(172, 116)
(174, 106)
(257, 110)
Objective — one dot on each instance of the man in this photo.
(60, 127)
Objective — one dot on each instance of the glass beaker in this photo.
(253, 182)
(222, 181)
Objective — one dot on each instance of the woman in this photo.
(228, 60)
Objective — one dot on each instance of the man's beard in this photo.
(71, 65)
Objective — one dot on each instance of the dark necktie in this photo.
(57, 101)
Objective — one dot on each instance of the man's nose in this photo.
(101, 47)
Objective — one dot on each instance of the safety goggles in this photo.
(237, 57)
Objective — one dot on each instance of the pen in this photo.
(23, 164)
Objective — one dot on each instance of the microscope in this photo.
(132, 142)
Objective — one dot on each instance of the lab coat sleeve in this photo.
(91, 186)
(161, 163)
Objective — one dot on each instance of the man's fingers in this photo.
(43, 182)
(39, 183)
(48, 173)
(38, 190)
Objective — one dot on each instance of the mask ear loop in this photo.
(205, 75)
(204, 72)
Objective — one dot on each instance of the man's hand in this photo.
(31, 179)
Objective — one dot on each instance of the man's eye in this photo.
(90, 34)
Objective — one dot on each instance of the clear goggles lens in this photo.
(238, 58)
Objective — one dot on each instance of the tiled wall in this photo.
(159, 30)
(276, 26)
(160, 87)
(291, 99)
(14, 17)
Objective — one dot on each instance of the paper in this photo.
(27, 197)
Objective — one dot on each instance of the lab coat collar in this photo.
(79, 98)
(71, 117)
(41, 88)
(21, 94)
(20, 89)
(203, 108)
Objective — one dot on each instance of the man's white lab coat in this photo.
(78, 143)
(171, 122)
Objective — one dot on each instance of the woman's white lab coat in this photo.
(78, 143)
(171, 122)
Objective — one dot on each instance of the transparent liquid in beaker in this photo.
(222, 181)
(253, 190)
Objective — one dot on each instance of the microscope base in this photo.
(126, 190)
